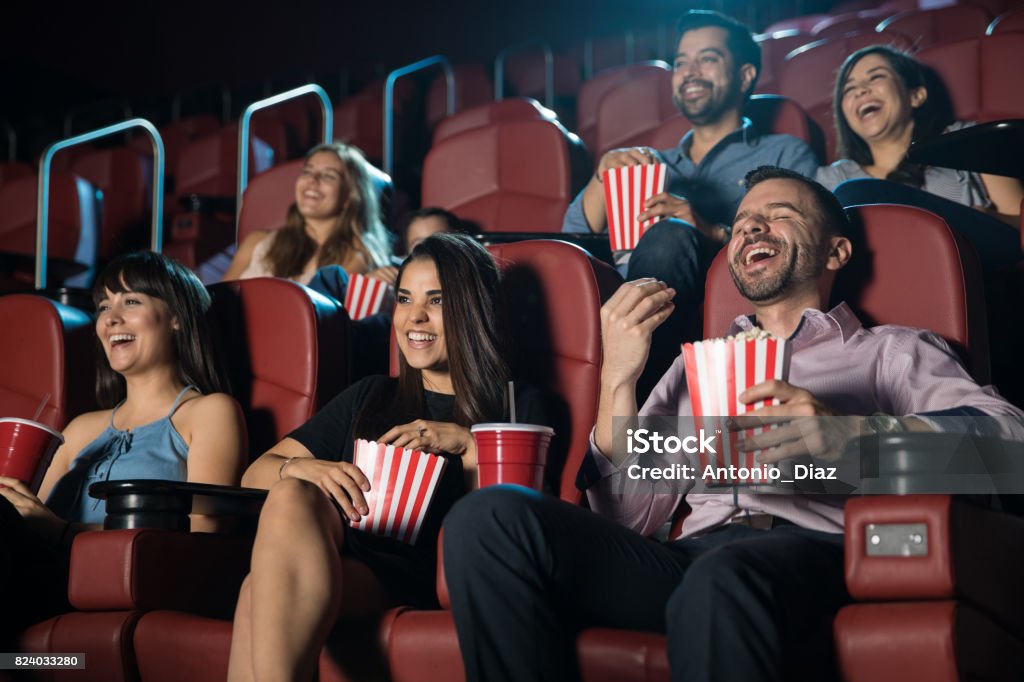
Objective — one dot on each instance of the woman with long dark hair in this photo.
(335, 220)
(166, 417)
(453, 374)
(880, 105)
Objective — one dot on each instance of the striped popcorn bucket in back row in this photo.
(365, 296)
(717, 372)
(625, 191)
(402, 486)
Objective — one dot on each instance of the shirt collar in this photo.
(813, 323)
(746, 133)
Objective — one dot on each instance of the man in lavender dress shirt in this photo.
(749, 588)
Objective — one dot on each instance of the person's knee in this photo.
(671, 251)
(487, 510)
(290, 498)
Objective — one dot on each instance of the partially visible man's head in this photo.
(716, 66)
(789, 233)
(427, 221)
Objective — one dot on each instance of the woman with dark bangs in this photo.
(165, 418)
(881, 104)
(453, 374)
(335, 220)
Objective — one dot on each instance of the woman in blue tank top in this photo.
(167, 418)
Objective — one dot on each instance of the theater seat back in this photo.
(472, 88)
(46, 351)
(554, 292)
(73, 229)
(208, 165)
(593, 91)
(943, 24)
(124, 176)
(511, 109)
(286, 350)
(908, 268)
(621, 122)
(511, 176)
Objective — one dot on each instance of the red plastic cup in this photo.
(26, 449)
(512, 453)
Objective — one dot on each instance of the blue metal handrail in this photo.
(549, 72)
(243, 132)
(43, 205)
(389, 101)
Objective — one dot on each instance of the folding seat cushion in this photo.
(46, 351)
(593, 91)
(512, 176)
(629, 112)
(510, 109)
(943, 24)
(125, 178)
(472, 88)
(73, 227)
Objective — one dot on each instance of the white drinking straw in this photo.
(42, 404)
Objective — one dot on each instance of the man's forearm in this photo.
(593, 206)
(617, 399)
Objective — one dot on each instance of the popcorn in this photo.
(717, 372)
(625, 191)
(402, 485)
(365, 296)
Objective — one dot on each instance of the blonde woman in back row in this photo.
(335, 220)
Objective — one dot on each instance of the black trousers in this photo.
(33, 577)
(526, 572)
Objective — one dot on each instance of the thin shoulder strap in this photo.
(177, 401)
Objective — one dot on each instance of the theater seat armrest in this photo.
(924, 547)
(156, 569)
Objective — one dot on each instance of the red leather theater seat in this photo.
(940, 25)
(593, 91)
(472, 88)
(73, 224)
(125, 178)
(511, 109)
(46, 349)
(512, 176)
(621, 122)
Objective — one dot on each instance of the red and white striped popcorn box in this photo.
(717, 372)
(365, 296)
(402, 486)
(625, 191)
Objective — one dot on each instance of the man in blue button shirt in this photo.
(715, 70)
